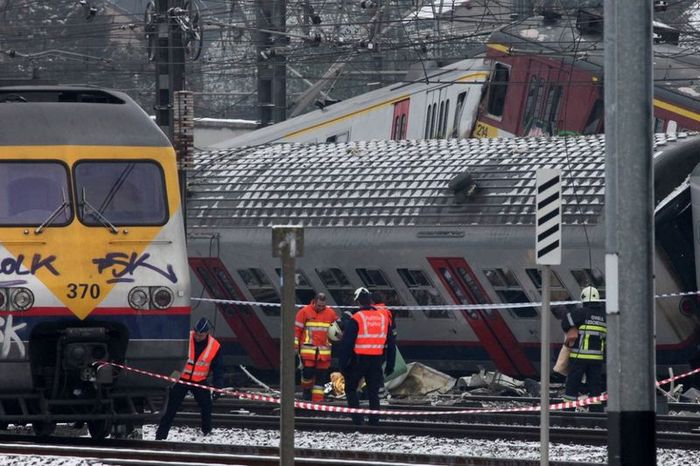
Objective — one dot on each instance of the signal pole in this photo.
(629, 232)
(272, 62)
(170, 65)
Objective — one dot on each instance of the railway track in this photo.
(685, 440)
(147, 453)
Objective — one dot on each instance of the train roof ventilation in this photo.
(463, 186)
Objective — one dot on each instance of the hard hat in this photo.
(335, 332)
(589, 294)
(202, 325)
(362, 291)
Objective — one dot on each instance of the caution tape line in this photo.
(345, 410)
(446, 307)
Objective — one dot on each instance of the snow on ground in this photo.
(359, 441)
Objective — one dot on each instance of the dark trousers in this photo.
(313, 379)
(369, 367)
(177, 394)
(594, 379)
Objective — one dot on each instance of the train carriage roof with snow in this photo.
(407, 183)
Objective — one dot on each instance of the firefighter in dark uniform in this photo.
(204, 358)
(586, 332)
(368, 341)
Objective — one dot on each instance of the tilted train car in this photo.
(92, 261)
(544, 77)
(428, 223)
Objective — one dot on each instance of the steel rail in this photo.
(141, 453)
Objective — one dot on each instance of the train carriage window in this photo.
(441, 120)
(303, 290)
(428, 122)
(31, 192)
(424, 293)
(593, 124)
(659, 125)
(261, 289)
(458, 113)
(508, 288)
(498, 88)
(552, 108)
(590, 277)
(376, 281)
(120, 192)
(432, 121)
(338, 286)
(558, 291)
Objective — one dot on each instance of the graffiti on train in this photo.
(8, 335)
(123, 266)
(17, 265)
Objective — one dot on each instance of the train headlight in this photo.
(163, 298)
(139, 298)
(21, 299)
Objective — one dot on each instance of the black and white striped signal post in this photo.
(548, 251)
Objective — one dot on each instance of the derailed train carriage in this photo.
(92, 261)
(430, 223)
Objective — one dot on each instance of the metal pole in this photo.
(629, 216)
(287, 243)
(544, 367)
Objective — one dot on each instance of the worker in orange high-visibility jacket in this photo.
(311, 342)
(204, 357)
(368, 341)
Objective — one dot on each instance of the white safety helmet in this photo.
(362, 291)
(589, 294)
(335, 333)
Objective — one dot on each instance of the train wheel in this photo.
(43, 428)
(99, 429)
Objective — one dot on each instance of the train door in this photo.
(488, 324)
(249, 329)
(399, 123)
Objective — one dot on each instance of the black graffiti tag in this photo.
(123, 264)
(11, 265)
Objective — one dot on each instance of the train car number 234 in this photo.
(83, 290)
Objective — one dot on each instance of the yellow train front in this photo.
(92, 260)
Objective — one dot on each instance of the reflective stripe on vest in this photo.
(584, 351)
(372, 327)
(197, 371)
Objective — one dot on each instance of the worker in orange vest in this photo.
(368, 341)
(311, 342)
(204, 357)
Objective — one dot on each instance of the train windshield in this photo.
(33, 192)
(120, 193)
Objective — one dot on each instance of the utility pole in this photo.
(170, 64)
(271, 58)
(629, 238)
(288, 244)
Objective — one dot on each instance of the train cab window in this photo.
(590, 277)
(121, 193)
(558, 291)
(551, 109)
(376, 281)
(303, 290)
(508, 288)
(261, 289)
(424, 293)
(458, 113)
(338, 286)
(498, 88)
(31, 193)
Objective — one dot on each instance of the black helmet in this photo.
(361, 292)
(202, 325)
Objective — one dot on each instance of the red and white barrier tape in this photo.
(340, 409)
